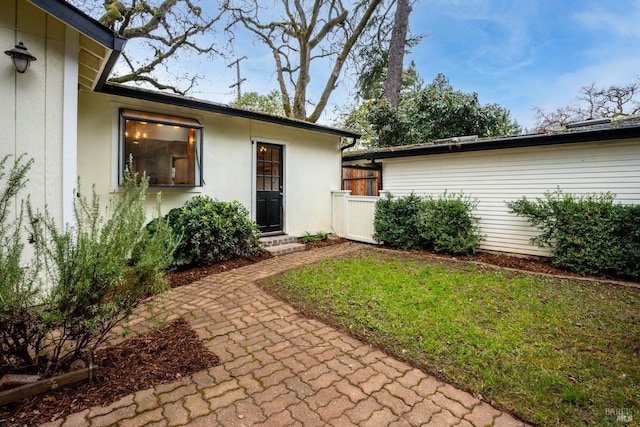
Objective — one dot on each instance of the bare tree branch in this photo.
(167, 28)
(593, 102)
(302, 33)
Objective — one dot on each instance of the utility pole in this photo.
(238, 80)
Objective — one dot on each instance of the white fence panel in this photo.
(353, 216)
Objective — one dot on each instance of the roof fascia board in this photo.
(111, 62)
(80, 21)
(502, 143)
(180, 101)
(90, 27)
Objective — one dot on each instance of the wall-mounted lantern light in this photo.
(21, 57)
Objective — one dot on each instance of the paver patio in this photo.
(279, 368)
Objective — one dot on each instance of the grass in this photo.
(550, 351)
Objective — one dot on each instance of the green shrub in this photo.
(587, 234)
(98, 270)
(311, 238)
(95, 273)
(445, 224)
(211, 231)
(449, 225)
(397, 221)
(21, 327)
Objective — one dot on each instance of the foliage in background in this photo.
(210, 231)
(437, 112)
(445, 224)
(269, 104)
(588, 234)
(95, 273)
(425, 114)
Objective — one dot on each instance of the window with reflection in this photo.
(167, 149)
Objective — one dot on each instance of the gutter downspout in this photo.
(355, 141)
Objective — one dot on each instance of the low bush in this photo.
(210, 231)
(445, 224)
(312, 238)
(397, 221)
(94, 273)
(587, 234)
(449, 225)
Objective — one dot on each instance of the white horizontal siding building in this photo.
(497, 171)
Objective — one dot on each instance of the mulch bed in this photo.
(137, 363)
(181, 277)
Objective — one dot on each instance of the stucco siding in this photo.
(312, 160)
(497, 176)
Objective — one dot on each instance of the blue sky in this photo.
(517, 53)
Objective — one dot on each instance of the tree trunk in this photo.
(396, 52)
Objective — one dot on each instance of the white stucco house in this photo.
(64, 114)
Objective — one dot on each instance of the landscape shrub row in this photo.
(587, 234)
(445, 224)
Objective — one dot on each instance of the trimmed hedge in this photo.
(588, 234)
(210, 231)
(445, 224)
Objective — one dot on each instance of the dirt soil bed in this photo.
(188, 275)
(136, 364)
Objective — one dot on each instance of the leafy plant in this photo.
(95, 272)
(211, 231)
(588, 234)
(99, 269)
(20, 326)
(434, 112)
(449, 225)
(445, 224)
(312, 238)
(397, 221)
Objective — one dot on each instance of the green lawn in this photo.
(550, 351)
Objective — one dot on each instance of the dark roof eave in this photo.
(111, 62)
(592, 135)
(85, 24)
(79, 20)
(181, 101)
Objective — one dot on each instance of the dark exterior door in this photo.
(269, 189)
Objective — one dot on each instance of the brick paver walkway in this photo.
(281, 369)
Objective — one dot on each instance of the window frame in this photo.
(125, 114)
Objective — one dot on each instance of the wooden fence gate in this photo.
(362, 181)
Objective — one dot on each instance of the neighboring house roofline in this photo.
(88, 26)
(533, 140)
(212, 107)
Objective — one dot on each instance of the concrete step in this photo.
(270, 241)
(283, 249)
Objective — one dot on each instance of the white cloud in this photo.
(621, 22)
